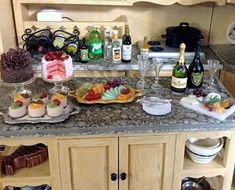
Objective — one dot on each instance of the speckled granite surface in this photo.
(226, 54)
(116, 118)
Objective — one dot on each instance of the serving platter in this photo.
(68, 111)
(80, 97)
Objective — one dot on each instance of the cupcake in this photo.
(40, 96)
(17, 109)
(36, 109)
(61, 97)
(55, 108)
(25, 98)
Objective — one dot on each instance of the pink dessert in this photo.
(57, 66)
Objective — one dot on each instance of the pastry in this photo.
(36, 109)
(61, 97)
(17, 109)
(40, 96)
(57, 66)
(16, 66)
(55, 108)
(25, 98)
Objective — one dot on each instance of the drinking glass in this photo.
(143, 67)
(213, 65)
(157, 64)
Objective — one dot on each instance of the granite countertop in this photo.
(226, 54)
(116, 118)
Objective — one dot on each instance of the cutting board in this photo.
(200, 108)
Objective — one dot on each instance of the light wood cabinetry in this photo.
(231, 1)
(89, 163)
(182, 2)
(227, 77)
(219, 169)
(144, 163)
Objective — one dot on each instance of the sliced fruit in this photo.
(125, 91)
(123, 96)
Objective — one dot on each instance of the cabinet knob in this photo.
(123, 176)
(113, 177)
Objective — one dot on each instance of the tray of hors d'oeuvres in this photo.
(113, 91)
(38, 108)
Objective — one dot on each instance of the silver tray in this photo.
(68, 111)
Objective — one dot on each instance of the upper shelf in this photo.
(120, 2)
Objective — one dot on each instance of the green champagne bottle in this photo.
(196, 70)
(179, 73)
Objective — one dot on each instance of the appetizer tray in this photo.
(68, 111)
(87, 94)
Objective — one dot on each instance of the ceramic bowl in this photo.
(200, 158)
(204, 147)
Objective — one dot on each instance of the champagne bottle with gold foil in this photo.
(180, 72)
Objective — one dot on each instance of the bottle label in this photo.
(96, 48)
(116, 54)
(84, 54)
(196, 78)
(179, 82)
(126, 52)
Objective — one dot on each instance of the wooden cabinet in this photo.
(218, 172)
(226, 77)
(88, 164)
(144, 163)
(231, 1)
(182, 2)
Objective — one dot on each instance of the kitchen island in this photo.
(120, 140)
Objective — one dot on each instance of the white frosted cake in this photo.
(57, 66)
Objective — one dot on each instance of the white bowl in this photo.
(204, 147)
(199, 158)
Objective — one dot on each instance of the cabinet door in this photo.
(87, 164)
(147, 161)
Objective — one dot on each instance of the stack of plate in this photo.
(203, 150)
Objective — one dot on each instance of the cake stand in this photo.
(19, 88)
(58, 85)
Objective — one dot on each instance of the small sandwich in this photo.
(61, 97)
(55, 108)
(36, 109)
(40, 96)
(25, 98)
(17, 109)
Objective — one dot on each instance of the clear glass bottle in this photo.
(116, 48)
(107, 43)
(145, 47)
(179, 73)
(126, 46)
(95, 42)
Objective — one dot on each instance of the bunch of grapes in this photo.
(115, 82)
(199, 92)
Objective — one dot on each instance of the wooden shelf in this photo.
(215, 167)
(34, 176)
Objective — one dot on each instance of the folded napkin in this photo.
(155, 105)
(200, 108)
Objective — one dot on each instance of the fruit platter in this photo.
(113, 91)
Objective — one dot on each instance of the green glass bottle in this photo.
(95, 43)
(180, 72)
(196, 70)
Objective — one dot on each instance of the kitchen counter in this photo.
(226, 54)
(116, 118)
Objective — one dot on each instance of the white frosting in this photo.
(16, 113)
(36, 112)
(57, 70)
(55, 112)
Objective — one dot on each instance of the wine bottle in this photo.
(84, 51)
(195, 70)
(179, 73)
(126, 46)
